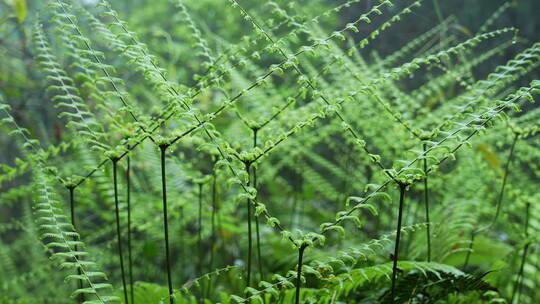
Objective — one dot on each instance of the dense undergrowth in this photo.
(266, 152)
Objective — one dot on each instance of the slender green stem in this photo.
(440, 16)
(199, 232)
(128, 201)
(519, 279)
(118, 233)
(258, 238)
(438, 11)
(163, 148)
(281, 296)
(182, 251)
(470, 249)
(213, 228)
(254, 172)
(426, 202)
(499, 200)
(199, 242)
(402, 188)
(299, 272)
(536, 278)
(250, 234)
(294, 213)
(298, 185)
(505, 178)
(80, 298)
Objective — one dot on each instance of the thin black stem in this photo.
(72, 205)
(402, 188)
(163, 148)
(426, 201)
(80, 298)
(128, 201)
(299, 273)
(250, 243)
(519, 279)
(254, 172)
(118, 235)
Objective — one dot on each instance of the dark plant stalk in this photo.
(254, 172)
(499, 201)
(72, 204)
(299, 273)
(71, 188)
(163, 148)
(250, 243)
(128, 200)
(426, 201)
(519, 279)
(402, 188)
(118, 235)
